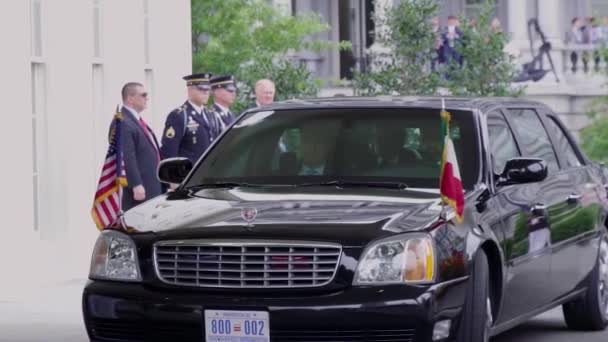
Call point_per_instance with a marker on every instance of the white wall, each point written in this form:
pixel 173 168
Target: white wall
pixel 72 142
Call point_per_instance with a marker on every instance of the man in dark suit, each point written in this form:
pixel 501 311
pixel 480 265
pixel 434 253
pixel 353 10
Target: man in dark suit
pixel 264 93
pixel 224 94
pixel 139 147
pixel 191 128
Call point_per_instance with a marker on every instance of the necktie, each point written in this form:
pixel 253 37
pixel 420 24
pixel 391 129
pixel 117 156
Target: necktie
pixel 149 135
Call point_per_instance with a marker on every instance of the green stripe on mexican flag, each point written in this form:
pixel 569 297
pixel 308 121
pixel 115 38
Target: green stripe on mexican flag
pixel 450 180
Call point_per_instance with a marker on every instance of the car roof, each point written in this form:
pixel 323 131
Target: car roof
pixel 451 102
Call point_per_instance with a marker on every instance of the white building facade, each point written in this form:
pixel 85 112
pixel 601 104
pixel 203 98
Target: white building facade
pixel 63 65
pixel 351 20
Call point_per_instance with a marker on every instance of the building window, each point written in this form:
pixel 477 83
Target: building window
pixel 36 28
pixel 472 8
pixel 147 31
pixel 149 83
pixel 97 29
pixel 284 7
pixel 39 129
pixel 100 114
pixel 599 8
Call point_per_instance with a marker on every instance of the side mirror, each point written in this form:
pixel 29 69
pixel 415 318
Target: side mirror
pixel 174 170
pixel 523 170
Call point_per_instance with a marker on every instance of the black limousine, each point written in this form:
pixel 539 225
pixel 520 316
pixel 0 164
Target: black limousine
pixel 321 220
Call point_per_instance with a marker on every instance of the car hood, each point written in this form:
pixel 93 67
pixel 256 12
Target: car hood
pixel 347 216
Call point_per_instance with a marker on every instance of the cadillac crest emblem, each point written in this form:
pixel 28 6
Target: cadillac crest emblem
pixel 249 214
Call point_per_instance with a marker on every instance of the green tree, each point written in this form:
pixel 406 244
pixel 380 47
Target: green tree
pixel 486 69
pixel 250 39
pixel 409 42
pixel 594 138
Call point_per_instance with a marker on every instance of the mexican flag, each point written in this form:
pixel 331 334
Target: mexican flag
pixel 449 179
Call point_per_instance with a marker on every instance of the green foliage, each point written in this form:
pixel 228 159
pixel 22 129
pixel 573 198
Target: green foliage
pixel 250 39
pixel 292 80
pixel 409 41
pixel 594 138
pixel 487 70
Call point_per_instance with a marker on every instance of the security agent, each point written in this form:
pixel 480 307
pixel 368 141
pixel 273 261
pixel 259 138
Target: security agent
pixel 224 94
pixel 191 128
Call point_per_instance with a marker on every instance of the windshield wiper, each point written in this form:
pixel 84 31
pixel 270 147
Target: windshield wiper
pixel 224 185
pixel 348 184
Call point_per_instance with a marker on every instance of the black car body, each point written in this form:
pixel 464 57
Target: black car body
pixel 361 249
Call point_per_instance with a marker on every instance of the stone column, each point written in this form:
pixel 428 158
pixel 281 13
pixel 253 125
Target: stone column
pixel 518 21
pixel 550 19
pixel 380 9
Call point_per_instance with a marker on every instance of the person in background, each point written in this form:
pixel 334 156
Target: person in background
pixel 140 150
pixel 264 92
pixel 452 36
pixel 604 29
pixel 575 36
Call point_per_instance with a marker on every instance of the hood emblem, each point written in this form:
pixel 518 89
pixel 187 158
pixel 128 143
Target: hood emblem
pixel 249 215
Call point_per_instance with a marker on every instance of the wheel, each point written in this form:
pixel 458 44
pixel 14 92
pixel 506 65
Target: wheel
pixel 476 319
pixel 591 311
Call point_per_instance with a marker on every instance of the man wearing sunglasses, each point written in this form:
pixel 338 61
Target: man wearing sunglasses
pixel 139 147
pixel 191 128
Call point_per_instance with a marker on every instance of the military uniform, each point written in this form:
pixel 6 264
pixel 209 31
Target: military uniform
pixel 189 131
pixel 224 115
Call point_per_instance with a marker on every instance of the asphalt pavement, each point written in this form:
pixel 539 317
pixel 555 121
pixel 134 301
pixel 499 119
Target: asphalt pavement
pixel 52 313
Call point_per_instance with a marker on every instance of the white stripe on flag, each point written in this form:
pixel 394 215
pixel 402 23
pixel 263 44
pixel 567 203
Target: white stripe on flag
pixel 108 171
pixel 106 183
pixel 102 214
pixel 109 201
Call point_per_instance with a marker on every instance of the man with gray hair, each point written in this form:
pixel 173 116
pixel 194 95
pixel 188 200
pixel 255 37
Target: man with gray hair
pixel 264 92
pixel 139 147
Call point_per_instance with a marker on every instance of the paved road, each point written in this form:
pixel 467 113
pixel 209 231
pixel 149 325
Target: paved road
pixel 549 327
pixel 52 314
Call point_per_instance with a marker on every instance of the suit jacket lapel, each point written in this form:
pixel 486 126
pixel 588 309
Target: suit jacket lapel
pixel 126 113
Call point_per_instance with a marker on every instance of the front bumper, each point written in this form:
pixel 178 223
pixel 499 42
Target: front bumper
pixel 135 312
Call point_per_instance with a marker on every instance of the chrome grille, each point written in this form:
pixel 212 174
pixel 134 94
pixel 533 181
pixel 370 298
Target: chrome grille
pixel 246 264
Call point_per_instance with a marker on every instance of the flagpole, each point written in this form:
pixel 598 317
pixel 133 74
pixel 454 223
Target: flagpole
pixel 442 213
pixel 119 167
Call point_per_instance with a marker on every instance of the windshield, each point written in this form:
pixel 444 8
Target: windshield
pixel 296 147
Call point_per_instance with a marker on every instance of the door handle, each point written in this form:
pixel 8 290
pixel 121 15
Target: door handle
pixel 574 198
pixel 538 209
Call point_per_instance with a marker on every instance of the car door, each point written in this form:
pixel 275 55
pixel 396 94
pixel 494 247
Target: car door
pixel 527 269
pixel 554 190
pixel 572 232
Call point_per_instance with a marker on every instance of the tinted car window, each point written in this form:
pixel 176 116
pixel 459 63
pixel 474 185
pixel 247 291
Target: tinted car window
pixel 299 146
pixel 563 145
pixel 534 139
pixel 502 142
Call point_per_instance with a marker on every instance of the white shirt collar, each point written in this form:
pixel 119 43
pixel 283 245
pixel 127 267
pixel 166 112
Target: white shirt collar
pixel 224 109
pixel 257 104
pixel 133 112
pixel 199 110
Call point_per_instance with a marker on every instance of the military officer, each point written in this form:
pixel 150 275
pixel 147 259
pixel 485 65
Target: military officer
pixel 224 94
pixel 191 128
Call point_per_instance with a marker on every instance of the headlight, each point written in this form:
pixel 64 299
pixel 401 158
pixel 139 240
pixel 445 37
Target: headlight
pixel 115 258
pixel 403 259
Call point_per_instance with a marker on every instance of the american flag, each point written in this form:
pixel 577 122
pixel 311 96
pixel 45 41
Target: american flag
pixel 107 203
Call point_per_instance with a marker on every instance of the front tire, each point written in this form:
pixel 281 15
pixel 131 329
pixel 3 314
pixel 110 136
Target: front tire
pixel 476 320
pixel 591 311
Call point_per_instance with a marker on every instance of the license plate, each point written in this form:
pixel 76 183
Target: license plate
pixel 236 326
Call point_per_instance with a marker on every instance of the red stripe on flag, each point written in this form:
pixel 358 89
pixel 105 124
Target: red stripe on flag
pixel 106 210
pixel 109 162
pixel 102 216
pixel 114 202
